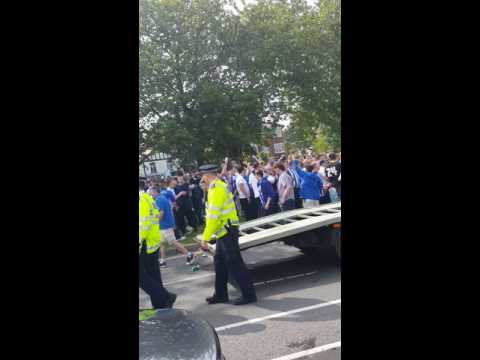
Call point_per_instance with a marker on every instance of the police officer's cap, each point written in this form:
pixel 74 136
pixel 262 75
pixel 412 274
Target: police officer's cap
pixel 208 169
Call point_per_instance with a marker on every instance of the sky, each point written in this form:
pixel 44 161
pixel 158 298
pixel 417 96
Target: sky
pixel 239 3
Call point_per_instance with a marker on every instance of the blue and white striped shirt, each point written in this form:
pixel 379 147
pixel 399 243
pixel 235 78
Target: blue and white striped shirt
pixel 296 178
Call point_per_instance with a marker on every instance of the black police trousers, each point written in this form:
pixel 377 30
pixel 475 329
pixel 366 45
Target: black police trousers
pixel 150 279
pixel 227 260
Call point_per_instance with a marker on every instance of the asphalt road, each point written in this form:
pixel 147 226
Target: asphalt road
pixel 298 312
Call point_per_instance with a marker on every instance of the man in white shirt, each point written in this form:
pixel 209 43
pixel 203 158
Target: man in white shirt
pixel 243 191
pixel 255 200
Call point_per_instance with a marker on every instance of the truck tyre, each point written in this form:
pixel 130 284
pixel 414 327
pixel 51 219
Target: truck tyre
pixel 337 243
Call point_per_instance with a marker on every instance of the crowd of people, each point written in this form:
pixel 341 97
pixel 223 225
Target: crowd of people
pixel 283 184
pixel 259 189
pixel 175 206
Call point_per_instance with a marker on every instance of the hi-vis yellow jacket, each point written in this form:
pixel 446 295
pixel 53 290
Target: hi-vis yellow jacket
pixel 219 209
pixel 149 227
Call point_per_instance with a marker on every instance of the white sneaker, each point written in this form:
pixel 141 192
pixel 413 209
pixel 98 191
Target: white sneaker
pixel 190 258
pixel 183 238
pixel 189 229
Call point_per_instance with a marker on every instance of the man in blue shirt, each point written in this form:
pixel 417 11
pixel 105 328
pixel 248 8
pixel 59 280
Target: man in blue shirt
pixel 169 193
pixel 311 186
pixel 268 196
pixel 167 224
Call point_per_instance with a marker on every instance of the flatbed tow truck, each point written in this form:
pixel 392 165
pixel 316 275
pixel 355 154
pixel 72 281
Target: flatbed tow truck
pixel 310 230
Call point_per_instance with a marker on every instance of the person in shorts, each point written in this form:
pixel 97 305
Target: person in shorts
pixel 167 225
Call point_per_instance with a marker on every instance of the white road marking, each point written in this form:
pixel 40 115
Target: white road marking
pixel 285 278
pixel 308 352
pixel 255 284
pixel 277 315
pixel 189 279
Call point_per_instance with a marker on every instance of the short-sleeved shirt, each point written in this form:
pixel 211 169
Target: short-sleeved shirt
pixel 252 180
pixel 284 181
pixel 267 191
pixel 332 171
pixel 169 194
pixel 241 180
pixel 168 221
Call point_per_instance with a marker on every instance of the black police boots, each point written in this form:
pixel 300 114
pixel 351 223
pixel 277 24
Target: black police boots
pixel 216 300
pixel 171 299
pixel 242 300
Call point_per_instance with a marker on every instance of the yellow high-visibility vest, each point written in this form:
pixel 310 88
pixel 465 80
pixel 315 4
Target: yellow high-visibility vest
pixel 219 209
pixel 149 227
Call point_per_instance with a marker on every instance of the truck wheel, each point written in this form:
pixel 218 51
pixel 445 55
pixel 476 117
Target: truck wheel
pixel 337 242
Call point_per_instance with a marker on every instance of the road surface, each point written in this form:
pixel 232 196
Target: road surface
pixel 297 315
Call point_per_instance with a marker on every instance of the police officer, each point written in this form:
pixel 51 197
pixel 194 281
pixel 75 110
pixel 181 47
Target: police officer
pixel 150 279
pixel 221 224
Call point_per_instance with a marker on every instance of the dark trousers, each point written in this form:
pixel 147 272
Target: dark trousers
pixel 198 209
pixel 255 206
pixel 298 200
pixel 150 279
pixel 192 221
pixel 288 205
pixel 179 222
pixel 273 209
pixel 181 213
pixel 228 260
pixel 246 208
pixel 178 235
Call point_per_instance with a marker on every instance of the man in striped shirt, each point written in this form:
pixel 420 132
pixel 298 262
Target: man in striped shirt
pixel 296 181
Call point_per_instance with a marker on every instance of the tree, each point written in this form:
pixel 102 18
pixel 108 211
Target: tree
pixel 210 79
pixel 195 101
pixel 296 48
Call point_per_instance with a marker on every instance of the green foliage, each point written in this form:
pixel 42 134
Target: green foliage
pixel 297 48
pixel 320 145
pixel 210 79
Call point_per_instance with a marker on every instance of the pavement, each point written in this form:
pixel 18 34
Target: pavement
pixel 297 315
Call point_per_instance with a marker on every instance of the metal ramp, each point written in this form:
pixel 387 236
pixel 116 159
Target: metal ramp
pixel 275 227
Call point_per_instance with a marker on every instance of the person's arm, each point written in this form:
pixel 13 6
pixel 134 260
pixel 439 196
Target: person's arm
pixel 224 168
pixel 267 205
pixel 264 192
pixel 180 194
pixel 285 192
pixel 270 195
pixel 281 190
pixel 298 169
pixel 160 207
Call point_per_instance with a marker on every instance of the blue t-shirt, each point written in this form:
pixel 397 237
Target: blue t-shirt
pixel 266 191
pixel 310 185
pixel 170 195
pixel 168 220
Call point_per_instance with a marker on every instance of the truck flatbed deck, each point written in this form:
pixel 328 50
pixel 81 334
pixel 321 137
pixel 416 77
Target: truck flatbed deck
pixel 281 225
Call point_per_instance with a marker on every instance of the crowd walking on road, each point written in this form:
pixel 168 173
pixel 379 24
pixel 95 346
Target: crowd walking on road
pixel 178 205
